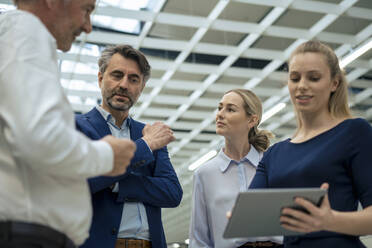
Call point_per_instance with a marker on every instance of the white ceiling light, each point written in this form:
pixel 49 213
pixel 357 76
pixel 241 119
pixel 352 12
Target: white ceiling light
pixel 356 53
pixel 273 111
pixel 202 160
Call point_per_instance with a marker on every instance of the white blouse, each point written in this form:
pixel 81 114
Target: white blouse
pixel 216 186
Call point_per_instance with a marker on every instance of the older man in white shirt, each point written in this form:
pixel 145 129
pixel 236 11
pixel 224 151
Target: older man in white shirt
pixel 44 162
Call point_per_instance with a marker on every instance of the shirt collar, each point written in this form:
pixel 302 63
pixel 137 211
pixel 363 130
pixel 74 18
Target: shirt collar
pixel 109 118
pixel 253 158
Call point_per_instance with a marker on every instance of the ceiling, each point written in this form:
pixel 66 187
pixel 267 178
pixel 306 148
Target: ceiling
pixel 198 49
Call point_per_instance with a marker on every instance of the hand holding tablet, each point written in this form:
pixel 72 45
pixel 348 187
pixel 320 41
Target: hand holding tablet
pixel 258 212
pixel 308 216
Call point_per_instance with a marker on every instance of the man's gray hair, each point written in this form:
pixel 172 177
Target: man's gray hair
pixel 127 52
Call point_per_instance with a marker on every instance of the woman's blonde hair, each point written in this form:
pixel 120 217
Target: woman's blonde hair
pixel 260 139
pixel 338 102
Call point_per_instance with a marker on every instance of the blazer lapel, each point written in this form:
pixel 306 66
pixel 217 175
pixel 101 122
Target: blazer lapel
pixel 135 129
pixel 98 122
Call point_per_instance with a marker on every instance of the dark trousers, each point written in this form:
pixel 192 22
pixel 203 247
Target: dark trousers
pixel 27 235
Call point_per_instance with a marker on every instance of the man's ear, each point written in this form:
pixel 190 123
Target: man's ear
pixel 100 77
pixel 51 3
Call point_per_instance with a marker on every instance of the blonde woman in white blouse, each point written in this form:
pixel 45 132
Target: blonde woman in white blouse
pixel 218 182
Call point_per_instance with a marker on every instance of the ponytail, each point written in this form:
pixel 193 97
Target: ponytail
pixel 260 139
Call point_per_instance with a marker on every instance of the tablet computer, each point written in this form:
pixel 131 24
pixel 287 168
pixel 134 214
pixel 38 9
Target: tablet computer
pixel 256 212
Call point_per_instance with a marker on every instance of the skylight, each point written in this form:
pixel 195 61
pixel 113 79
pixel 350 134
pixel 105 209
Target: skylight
pixel 121 24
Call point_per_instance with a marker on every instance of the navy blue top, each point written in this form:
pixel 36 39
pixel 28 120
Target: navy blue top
pixel 340 156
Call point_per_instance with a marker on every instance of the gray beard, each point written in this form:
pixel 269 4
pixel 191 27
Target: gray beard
pixel 124 107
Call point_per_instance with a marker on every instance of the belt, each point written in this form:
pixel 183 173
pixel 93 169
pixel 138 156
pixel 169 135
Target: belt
pixel 261 244
pixel 132 243
pixel 14 232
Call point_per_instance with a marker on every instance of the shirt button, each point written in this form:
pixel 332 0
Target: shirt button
pixel 113 231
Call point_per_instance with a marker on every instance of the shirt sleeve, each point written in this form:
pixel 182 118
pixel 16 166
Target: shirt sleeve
pixel 199 234
pixel 361 161
pixel 37 119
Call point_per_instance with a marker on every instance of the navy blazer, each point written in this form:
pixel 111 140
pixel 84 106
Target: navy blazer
pixel 149 179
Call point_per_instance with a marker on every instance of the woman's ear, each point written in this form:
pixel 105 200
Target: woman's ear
pixel 335 84
pixel 253 121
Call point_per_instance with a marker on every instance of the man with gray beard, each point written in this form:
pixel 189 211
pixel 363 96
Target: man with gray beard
pixel 127 209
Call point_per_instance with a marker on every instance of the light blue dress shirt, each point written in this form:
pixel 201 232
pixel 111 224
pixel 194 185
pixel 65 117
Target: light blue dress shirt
pixel 216 186
pixel 134 222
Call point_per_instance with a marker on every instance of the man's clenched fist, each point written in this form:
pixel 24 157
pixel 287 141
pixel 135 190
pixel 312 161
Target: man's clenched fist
pixel 157 135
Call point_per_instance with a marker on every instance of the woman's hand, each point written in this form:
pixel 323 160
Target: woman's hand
pixel 319 218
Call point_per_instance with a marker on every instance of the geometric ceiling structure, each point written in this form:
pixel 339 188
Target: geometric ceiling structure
pixel 199 49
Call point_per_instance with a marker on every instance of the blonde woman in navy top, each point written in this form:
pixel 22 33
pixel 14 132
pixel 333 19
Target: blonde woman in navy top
pixel 329 149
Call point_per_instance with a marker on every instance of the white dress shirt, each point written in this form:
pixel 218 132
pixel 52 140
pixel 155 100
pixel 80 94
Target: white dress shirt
pixel 216 186
pixel 44 162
